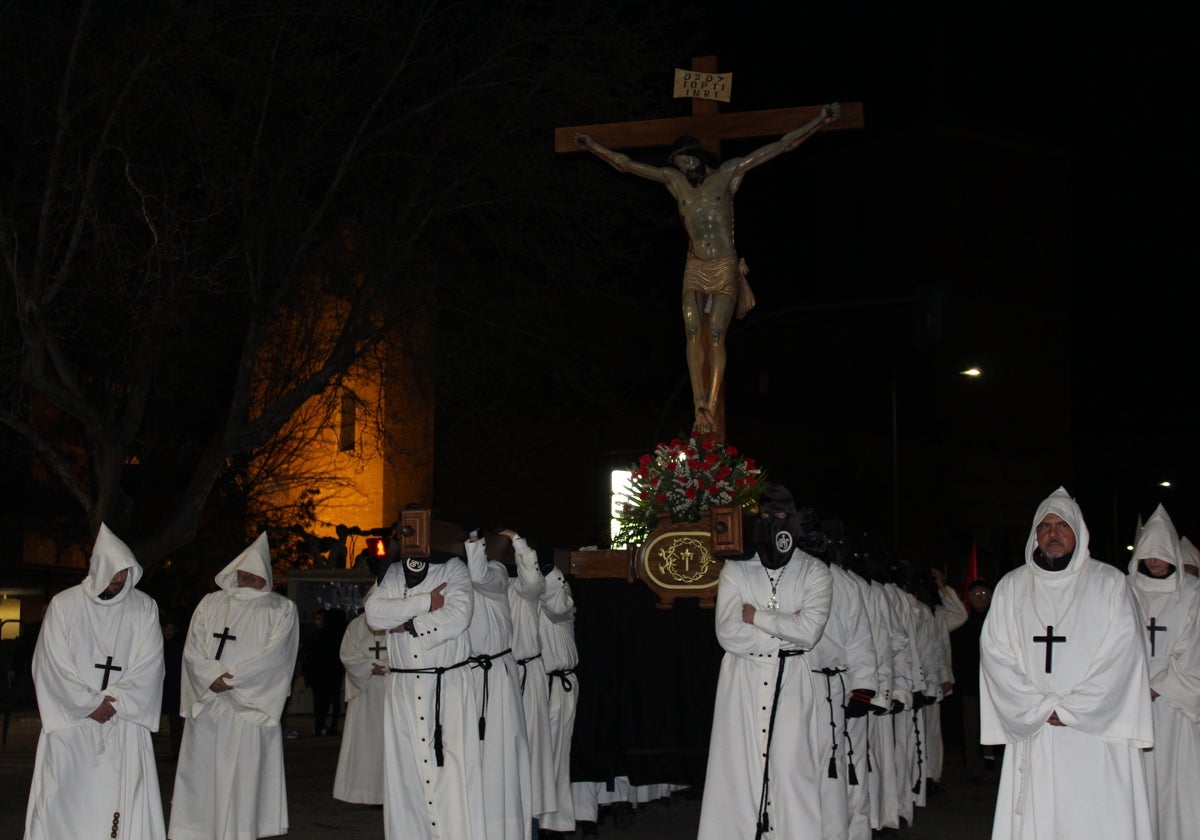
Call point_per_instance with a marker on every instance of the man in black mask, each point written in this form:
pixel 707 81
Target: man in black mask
pixel 763 775
pixel 431 752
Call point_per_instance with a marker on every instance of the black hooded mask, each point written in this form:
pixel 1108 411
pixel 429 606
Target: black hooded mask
pixel 781 528
pixel 415 570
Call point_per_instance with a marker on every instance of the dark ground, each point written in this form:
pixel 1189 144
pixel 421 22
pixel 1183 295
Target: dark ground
pixel 962 812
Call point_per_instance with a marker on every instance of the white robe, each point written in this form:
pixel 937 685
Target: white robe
pixel 950 614
pixel 1170 620
pixel 908 679
pixel 560 656
pixel 846 647
pixel 884 805
pixel 746 697
pixel 508 813
pixel 359 776
pixel 83 770
pixel 524 601
pixel 1086 779
pixel 230 783
pixel 926 730
pixel 425 801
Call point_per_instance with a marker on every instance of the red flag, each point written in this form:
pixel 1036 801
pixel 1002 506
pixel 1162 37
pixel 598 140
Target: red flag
pixel 972 573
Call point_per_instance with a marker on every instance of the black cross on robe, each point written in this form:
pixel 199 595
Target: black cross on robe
pixel 108 668
pixel 1155 628
pixel 378 649
pixel 1048 640
pixel 224 636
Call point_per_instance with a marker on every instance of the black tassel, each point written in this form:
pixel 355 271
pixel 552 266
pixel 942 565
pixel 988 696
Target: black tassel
pixel 832 768
pixel 917 788
pixel 437 746
pixel 482 727
pixel 764 826
pixel 853 776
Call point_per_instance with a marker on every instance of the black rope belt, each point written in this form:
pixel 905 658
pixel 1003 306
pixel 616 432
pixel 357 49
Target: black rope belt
pixel 437 701
pixel 829 674
pixel 763 821
pixel 484 662
pixel 523 663
pixel 564 677
pixel 920 759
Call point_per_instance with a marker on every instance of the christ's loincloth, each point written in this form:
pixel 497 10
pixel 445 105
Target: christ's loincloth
pixel 722 276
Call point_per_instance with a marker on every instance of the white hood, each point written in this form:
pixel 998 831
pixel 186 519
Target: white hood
pixel 1189 555
pixel 109 556
pixel 1158 538
pixel 1061 503
pixel 257 560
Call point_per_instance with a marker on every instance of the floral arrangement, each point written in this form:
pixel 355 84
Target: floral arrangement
pixel 683 479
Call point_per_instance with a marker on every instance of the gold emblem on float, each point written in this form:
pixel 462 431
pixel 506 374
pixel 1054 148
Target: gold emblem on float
pixel 684 559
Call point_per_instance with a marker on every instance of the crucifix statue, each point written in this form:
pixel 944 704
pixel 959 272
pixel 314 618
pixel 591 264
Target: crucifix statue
pixel 714 280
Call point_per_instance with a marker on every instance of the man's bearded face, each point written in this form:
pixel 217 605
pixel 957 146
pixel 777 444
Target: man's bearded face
pixel 1055 537
pixel 116 584
pixel 250 580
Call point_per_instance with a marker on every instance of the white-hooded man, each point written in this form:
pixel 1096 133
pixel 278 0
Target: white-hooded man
pixel 98 669
pixel 237 670
pixel 1064 685
pixel 1170 603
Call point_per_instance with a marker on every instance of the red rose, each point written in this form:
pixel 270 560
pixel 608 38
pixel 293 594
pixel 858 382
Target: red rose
pixel 660 499
pixel 731 450
pixel 690 493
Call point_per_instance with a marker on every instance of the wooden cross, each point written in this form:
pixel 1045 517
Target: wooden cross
pixel 107 668
pixel 1155 628
pixel 378 649
pixel 708 125
pixel 1048 640
pixel 224 637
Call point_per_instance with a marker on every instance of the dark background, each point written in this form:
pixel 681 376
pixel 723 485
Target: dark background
pixel 1014 201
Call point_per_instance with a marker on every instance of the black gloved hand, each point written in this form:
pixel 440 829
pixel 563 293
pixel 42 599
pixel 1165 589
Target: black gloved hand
pixel 897 708
pixel 859 704
pixel 920 700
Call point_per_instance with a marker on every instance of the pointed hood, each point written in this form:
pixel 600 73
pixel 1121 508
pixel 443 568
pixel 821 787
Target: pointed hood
pixel 1157 538
pixel 1189 555
pixel 257 560
pixel 109 556
pixel 1061 503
